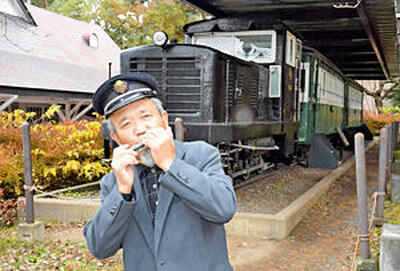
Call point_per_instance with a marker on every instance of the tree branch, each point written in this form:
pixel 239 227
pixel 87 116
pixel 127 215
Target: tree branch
pixel 391 89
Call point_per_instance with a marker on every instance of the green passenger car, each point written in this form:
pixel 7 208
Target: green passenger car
pixel 355 105
pixel 328 100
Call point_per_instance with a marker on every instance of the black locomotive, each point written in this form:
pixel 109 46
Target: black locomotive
pixel 236 85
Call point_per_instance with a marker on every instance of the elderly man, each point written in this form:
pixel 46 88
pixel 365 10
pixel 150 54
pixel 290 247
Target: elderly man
pixel 167 217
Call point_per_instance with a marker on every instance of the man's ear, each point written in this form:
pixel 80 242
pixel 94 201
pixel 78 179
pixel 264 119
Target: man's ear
pixel 164 116
pixel 114 137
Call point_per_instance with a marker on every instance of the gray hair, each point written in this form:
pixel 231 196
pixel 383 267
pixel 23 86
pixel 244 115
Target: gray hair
pixel 156 102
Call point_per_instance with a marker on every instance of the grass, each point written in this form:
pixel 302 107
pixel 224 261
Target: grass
pixel 48 255
pixel 80 194
pixel 392 214
pixel 396 154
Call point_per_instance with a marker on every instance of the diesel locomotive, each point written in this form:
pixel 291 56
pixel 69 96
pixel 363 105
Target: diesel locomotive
pixel 252 90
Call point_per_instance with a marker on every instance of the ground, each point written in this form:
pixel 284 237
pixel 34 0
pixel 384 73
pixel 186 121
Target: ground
pixel 324 240
pixel 276 191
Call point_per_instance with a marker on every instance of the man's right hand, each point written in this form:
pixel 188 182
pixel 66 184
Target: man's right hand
pixel 123 160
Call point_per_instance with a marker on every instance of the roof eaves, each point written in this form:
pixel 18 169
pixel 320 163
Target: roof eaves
pixel 28 15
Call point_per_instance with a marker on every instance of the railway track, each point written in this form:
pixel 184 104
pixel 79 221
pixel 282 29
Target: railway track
pixel 268 173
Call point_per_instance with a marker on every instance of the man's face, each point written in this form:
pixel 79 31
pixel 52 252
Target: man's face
pixel 133 120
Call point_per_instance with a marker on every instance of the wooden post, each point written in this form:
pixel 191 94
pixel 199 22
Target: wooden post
pixel 395 129
pixel 389 146
pixel 362 195
pixel 383 149
pixel 179 129
pixel 26 142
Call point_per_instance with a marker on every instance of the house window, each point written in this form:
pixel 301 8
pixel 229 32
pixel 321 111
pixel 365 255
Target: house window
pixel 93 41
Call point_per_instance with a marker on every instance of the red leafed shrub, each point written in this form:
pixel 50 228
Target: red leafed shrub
pixel 377 121
pixel 8 210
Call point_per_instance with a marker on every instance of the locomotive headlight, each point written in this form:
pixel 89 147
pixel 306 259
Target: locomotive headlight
pixel 160 38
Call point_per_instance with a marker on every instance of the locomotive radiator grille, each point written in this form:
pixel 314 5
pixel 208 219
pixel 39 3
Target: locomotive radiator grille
pixel 241 90
pixel 178 78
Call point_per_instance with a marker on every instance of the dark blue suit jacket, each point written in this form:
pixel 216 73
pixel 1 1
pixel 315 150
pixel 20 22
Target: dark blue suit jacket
pixel 196 198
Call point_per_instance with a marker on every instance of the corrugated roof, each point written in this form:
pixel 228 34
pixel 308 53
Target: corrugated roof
pixel 54 55
pixel 362 41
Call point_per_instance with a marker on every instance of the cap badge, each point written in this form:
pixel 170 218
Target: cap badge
pixel 120 86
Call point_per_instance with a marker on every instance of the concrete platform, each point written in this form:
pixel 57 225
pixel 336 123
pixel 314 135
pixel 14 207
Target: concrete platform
pixel 277 226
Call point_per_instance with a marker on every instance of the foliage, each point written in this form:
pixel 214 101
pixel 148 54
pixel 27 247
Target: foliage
pixel 77 9
pixel 392 212
pixel 9 210
pixel 41 3
pixel 392 216
pixel 390 110
pixel 51 254
pixel 63 154
pixel 376 122
pixel 131 23
pixel 396 154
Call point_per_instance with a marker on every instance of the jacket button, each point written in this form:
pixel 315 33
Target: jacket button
pixel 182 176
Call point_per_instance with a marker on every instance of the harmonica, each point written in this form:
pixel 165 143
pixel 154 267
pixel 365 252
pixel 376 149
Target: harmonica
pixel 143 155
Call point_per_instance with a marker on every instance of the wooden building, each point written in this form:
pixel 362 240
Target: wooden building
pixel 47 59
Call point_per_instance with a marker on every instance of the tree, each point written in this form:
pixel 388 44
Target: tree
pixel 41 3
pixel 77 9
pixel 394 95
pixel 388 89
pixel 128 22
pixel 170 17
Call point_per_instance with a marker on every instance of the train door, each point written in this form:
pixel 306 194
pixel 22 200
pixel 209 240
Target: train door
pixel 314 94
pixel 298 78
pixel 305 102
pixel 290 90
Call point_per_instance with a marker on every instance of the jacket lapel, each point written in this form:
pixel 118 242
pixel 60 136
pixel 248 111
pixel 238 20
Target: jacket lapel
pixel 164 201
pixel 141 213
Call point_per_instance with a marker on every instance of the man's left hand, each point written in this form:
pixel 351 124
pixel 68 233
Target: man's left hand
pixel 161 144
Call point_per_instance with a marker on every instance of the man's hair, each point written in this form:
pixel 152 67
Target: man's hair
pixel 156 102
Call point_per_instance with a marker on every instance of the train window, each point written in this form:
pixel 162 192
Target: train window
pixel 274 81
pixel 305 83
pixel 290 49
pixel 302 80
pixel 257 46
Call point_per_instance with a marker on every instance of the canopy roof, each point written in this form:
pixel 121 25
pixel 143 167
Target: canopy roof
pixel 360 37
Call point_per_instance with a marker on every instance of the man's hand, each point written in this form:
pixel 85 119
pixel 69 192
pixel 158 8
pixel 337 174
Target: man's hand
pixel 161 144
pixel 122 162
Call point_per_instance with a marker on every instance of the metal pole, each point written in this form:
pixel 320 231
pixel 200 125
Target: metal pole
pixel 179 129
pixel 382 170
pixel 26 143
pixel 362 195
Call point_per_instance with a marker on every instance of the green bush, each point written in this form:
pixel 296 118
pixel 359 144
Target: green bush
pixel 63 154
